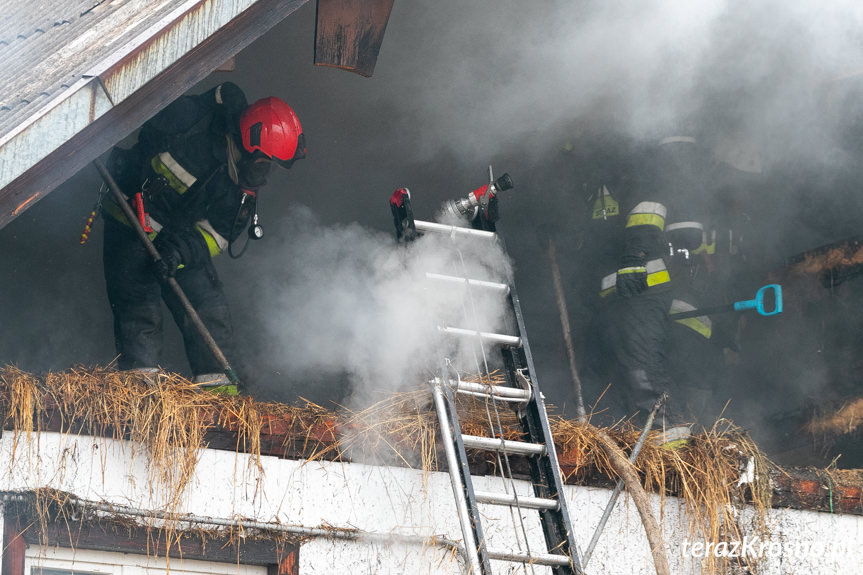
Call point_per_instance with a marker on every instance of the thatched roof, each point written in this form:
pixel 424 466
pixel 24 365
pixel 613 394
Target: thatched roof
pixel 719 466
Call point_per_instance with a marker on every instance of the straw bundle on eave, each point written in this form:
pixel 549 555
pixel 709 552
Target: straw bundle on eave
pixel 173 420
pixel 847 419
pixel 846 255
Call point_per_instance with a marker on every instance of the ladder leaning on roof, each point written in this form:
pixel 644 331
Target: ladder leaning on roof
pixel 521 392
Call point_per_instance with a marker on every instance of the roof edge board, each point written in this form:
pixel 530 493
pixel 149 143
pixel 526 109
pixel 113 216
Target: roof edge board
pixel 116 65
pixel 63 118
pixel 165 42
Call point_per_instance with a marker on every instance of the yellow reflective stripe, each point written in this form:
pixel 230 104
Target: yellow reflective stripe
pixel 696 325
pixel 112 209
pixel 645 220
pixel 206 226
pixel 222 389
pixel 700 324
pixel 657 274
pixel 633 270
pixel 709 249
pixel 212 243
pixel 658 278
pixel 178 178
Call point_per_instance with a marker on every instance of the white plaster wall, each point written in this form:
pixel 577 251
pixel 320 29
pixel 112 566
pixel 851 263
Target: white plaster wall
pixel 390 500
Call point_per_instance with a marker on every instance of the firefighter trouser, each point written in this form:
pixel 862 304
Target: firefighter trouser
pixel 637 334
pixel 136 298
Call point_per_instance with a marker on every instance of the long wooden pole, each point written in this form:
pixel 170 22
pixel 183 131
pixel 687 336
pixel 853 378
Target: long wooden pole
pixel 172 282
pixel 567 332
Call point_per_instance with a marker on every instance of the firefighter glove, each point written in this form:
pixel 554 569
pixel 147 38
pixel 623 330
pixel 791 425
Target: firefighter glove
pixel 631 280
pixel 171 257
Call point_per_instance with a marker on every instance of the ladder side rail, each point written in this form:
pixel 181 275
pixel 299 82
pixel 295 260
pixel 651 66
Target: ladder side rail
pixel 462 485
pixel 558 523
pixel 496 429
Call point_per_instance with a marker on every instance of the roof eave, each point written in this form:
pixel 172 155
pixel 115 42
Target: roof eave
pixel 125 89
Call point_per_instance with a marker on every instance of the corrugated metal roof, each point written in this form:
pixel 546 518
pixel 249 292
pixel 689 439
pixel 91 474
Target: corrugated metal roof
pixel 34 62
pixel 66 65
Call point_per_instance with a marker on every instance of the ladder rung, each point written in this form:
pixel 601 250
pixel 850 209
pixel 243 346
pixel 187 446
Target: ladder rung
pixel 453 230
pixel 498 338
pixel 494 286
pixel 496 391
pixel 507 445
pixel 535 558
pixel 509 499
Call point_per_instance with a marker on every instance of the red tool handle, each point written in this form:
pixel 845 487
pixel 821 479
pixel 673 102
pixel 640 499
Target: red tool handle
pixel 143 217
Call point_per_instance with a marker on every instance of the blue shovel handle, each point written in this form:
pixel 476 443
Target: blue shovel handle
pixel 758 303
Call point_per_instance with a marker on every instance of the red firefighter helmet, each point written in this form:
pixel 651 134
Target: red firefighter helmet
pixel 271 126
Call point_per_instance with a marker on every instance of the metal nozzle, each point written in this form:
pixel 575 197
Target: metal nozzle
pixel 503 183
pixel 460 207
pixel 467 207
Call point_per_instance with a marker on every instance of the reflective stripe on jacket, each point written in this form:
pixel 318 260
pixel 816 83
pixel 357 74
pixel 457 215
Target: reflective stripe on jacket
pixel 700 324
pixel 647 214
pixel 657 274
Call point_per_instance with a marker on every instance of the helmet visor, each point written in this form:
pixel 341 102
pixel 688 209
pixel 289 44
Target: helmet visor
pixel 299 154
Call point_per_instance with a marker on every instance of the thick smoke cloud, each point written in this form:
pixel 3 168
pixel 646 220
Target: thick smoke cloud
pixel 497 73
pixel 346 301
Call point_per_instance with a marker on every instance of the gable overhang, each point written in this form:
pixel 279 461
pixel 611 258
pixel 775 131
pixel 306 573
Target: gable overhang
pixel 124 89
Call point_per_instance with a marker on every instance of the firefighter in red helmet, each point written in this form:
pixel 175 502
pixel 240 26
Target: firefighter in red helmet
pixel 193 177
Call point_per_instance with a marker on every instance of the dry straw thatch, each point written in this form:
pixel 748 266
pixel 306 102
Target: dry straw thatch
pixel 171 420
pixel 847 419
pixel 847 255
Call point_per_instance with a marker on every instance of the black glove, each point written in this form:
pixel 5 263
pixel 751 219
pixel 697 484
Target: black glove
pixel 171 257
pixel 631 281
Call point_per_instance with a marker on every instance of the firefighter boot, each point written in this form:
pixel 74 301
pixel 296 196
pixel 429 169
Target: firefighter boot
pixel 215 383
pixel 673 432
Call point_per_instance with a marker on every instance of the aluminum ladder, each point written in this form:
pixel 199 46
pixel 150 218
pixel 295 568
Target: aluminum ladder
pixel 522 393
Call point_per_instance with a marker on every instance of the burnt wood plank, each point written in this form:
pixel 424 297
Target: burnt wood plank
pixel 349 33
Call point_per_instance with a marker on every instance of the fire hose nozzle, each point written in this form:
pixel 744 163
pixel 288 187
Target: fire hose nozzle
pixel 503 183
pixel 461 207
pixel 480 197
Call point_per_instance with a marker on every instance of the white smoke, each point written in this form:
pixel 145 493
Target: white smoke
pixel 771 74
pixel 351 301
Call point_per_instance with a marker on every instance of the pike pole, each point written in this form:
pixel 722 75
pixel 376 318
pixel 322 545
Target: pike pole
pixel 567 331
pixel 172 282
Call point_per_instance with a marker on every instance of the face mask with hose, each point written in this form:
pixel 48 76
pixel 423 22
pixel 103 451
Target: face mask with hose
pixel 271 132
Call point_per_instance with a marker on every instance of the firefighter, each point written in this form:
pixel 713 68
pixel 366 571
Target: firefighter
pixel 193 177
pixel 634 337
